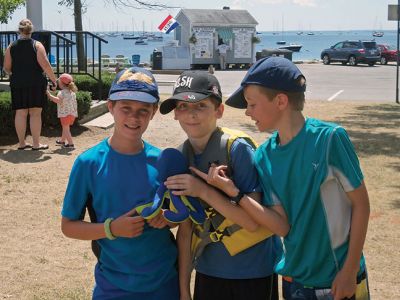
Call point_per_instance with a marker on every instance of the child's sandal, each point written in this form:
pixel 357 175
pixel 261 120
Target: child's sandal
pixel 68 146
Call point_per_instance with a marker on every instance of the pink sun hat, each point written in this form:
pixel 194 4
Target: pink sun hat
pixel 66 78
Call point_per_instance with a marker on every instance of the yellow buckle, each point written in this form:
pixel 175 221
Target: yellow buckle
pixel 215 236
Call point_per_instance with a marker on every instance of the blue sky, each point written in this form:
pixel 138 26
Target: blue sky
pixel 297 15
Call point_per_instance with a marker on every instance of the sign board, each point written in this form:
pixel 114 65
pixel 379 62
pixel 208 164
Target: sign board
pixel 242 47
pixel 393 13
pixel 205 42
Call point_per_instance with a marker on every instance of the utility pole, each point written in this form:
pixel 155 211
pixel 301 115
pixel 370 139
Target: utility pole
pixel 34 13
pixel 394 15
pixel 397 67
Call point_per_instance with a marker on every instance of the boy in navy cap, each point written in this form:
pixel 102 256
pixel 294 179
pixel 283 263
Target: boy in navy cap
pixel 135 261
pixel 234 258
pixel 311 176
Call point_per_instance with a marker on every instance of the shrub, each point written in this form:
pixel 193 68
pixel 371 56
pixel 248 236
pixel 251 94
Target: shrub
pixel 6 114
pixel 87 83
pixel 49 114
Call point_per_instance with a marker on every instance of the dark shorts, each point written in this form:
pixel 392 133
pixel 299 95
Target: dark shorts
pixel 28 97
pixel 295 291
pixel 210 288
pixel 104 290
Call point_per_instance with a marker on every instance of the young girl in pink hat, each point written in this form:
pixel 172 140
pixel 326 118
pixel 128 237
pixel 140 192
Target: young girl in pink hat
pixel 67 108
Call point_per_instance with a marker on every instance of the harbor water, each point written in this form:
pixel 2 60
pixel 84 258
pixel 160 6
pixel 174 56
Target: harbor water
pixel 312 42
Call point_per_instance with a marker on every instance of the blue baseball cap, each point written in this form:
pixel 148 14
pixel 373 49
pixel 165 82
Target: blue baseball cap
pixel 134 84
pixel 273 72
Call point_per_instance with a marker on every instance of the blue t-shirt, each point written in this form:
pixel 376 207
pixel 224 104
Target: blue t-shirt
pixel 309 177
pixel 116 183
pixel 257 261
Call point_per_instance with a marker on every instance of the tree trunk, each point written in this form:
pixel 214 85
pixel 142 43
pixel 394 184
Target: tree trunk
pixel 80 50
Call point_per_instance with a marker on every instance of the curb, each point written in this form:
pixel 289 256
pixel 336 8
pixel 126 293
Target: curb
pixel 98 108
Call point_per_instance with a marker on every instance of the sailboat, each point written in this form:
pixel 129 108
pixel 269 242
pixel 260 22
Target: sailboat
pixel 377 33
pixel 282 41
pixel 292 46
pixel 131 36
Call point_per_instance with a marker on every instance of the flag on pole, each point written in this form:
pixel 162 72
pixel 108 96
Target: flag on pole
pixel 168 24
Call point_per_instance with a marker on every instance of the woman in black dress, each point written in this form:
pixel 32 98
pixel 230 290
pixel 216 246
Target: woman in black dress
pixel 27 64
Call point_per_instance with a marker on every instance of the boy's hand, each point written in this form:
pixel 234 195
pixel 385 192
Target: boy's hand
pixel 185 185
pixel 217 177
pixel 344 285
pixel 128 225
pixel 160 222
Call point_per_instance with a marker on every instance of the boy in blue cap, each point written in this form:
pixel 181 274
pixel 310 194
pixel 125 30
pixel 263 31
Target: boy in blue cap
pixel 233 258
pixel 135 260
pixel 309 169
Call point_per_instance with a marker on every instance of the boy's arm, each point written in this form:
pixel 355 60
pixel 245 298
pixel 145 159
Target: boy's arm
pixel 345 283
pixel 273 218
pixel 126 225
pixel 184 259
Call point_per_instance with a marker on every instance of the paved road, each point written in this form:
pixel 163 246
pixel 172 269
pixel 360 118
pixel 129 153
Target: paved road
pixel 331 83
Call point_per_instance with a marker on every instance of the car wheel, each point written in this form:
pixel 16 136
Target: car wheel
pixel 383 60
pixel 326 60
pixel 352 61
pixel 344 63
pixel 371 64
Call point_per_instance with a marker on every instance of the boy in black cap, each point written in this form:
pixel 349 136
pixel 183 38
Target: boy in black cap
pixel 234 259
pixel 135 261
pixel 309 173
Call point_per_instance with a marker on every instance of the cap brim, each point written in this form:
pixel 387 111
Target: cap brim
pixel 170 103
pixel 134 95
pixel 237 100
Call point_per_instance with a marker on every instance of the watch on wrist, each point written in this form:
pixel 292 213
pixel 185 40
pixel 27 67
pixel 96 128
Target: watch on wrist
pixel 235 200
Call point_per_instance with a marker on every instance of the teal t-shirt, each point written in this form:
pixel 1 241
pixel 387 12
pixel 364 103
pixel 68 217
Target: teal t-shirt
pixel 309 177
pixel 115 183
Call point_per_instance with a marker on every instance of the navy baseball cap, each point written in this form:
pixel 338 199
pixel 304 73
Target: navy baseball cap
pixel 134 84
pixel 273 72
pixel 192 86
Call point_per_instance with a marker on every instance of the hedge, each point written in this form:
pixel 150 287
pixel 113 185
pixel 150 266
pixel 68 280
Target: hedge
pixel 87 83
pixel 49 114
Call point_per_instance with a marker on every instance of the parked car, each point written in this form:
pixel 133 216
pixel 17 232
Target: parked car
pixel 388 53
pixel 352 52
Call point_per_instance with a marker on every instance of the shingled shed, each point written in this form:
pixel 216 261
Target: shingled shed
pixel 202 30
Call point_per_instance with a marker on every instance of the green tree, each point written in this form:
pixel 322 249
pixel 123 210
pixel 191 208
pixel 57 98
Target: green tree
pixel 7 8
pixel 80 8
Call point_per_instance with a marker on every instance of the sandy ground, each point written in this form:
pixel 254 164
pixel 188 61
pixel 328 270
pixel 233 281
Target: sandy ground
pixel 38 262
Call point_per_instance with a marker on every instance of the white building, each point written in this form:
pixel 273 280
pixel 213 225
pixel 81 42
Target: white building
pixel 202 30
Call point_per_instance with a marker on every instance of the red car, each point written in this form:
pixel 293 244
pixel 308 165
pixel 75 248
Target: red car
pixel 388 53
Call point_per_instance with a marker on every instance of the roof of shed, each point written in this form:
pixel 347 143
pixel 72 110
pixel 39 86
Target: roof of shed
pixel 219 17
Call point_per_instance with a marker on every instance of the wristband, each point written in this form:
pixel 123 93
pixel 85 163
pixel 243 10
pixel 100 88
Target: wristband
pixel 107 229
pixel 235 200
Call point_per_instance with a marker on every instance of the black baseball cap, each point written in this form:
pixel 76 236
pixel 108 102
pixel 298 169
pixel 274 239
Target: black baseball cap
pixel 192 86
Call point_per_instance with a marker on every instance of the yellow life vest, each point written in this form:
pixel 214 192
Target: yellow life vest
pixel 217 228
